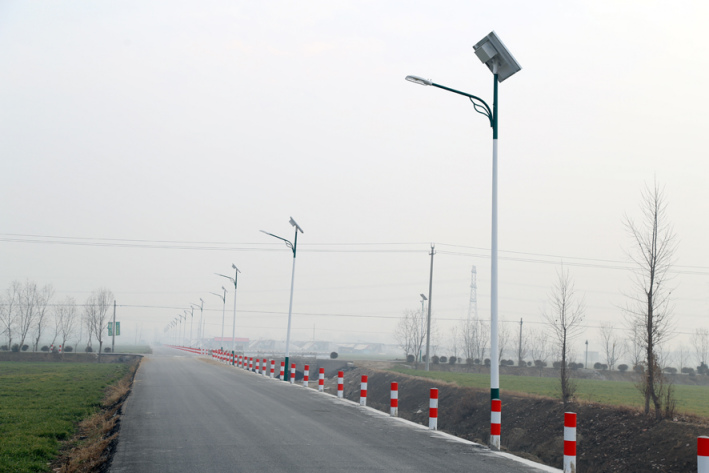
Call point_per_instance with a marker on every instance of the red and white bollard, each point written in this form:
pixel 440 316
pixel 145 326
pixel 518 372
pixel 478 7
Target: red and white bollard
pixel 495 423
pixel 394 412
pixel 60 349
pixel 306 373
pixel 433 410
pixel 51 349
pixel 340 383
pixel 321 379
pixel 273 368
pixel 251 363
pixel 703 454
pixel 363 391
pixel 263 366
pixel 283 371
pixel 569 442
pixel 292 373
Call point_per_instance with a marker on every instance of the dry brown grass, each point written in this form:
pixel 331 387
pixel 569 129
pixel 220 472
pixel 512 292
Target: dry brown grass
pixel 97 435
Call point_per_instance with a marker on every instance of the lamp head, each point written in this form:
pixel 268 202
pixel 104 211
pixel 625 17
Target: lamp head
pixel 494 54
pixel 419 80
pixel 292 222
pixel 234 267
pixel 423 297
pixel 224 288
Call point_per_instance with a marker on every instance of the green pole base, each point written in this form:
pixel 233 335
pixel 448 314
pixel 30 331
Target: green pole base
pixel 286 370
pixel 494 393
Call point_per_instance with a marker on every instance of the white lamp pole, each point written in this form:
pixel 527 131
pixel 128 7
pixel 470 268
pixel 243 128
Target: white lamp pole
pixel 293 246
pixel 223 298
pixel 495 55
pixel 233 326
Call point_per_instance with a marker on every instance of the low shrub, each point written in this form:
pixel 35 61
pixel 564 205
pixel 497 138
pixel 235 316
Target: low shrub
pixel 670 370
pixel 703 368
pixel 410 358
pixel 622 368
pixel 529 363
pixel 15 347
pixel 487 361
pixel 435 359
pixel 469 361
pixel 597 365
pixel 443 359
pixel 4 348
pixel 452 360
pixel 334 355
pixel 107 350
pixel 68 349
pixel 476 361
pixel 25 347
pixel 89 350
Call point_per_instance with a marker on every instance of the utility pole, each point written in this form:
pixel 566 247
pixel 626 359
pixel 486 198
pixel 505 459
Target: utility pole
pixel 423 308
pixel 113 342
pixel 430 295
pixel 586 365
pixel 519 353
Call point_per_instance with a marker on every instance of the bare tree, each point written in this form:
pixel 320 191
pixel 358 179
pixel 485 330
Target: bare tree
pixel 503 338
pixel 652 252
pixel 98 314
pixel 455 344
pixel 27 310
pixel 9 306
pixel 613 346
pixel 539 348
pixel 67 314
pixel 700 343
pixel 682 357
pixel 42 313
pixel 565 315
pixel 637 345
pixel 410 332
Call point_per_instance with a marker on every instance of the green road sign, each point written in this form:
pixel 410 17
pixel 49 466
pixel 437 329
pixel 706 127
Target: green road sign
pixel 110 329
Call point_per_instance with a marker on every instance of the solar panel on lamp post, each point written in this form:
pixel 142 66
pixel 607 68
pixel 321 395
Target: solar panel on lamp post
pixel 293 246
pixel 495 55
pixel 233 327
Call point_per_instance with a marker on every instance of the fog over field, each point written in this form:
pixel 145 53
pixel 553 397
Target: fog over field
pixel 144 145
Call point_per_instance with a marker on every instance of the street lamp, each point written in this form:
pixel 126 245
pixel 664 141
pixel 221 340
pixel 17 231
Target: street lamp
pixel 293 246
pixel 199 327
pixel 185 331
pixel 223 298
pixel 233 323
pixel 493 53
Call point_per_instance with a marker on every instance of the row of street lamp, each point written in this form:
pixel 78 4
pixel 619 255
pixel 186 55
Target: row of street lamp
pixel 177 327
pixel 493 53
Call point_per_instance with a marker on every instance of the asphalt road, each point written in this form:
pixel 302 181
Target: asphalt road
pixel 190 415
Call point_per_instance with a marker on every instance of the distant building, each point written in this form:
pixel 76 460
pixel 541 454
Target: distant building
pixel 363 348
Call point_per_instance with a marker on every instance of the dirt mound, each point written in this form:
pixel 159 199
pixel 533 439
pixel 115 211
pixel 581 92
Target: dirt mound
pixel 610 439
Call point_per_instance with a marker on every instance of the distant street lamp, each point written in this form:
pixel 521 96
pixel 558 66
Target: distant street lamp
pixel 293 246
pixel 199 325
pixel 493 53
pixel 223 298
pixel 233 326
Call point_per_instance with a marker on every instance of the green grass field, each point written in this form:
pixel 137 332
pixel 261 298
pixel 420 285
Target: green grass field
pixel 690 399
pixel 40 403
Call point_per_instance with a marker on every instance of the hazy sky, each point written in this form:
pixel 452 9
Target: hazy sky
pixel 204 122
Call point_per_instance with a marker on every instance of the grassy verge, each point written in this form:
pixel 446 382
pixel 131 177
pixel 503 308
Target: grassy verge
pixel 690 399
pixel 41 403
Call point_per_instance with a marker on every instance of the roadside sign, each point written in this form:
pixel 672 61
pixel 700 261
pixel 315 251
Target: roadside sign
pixel 110 329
